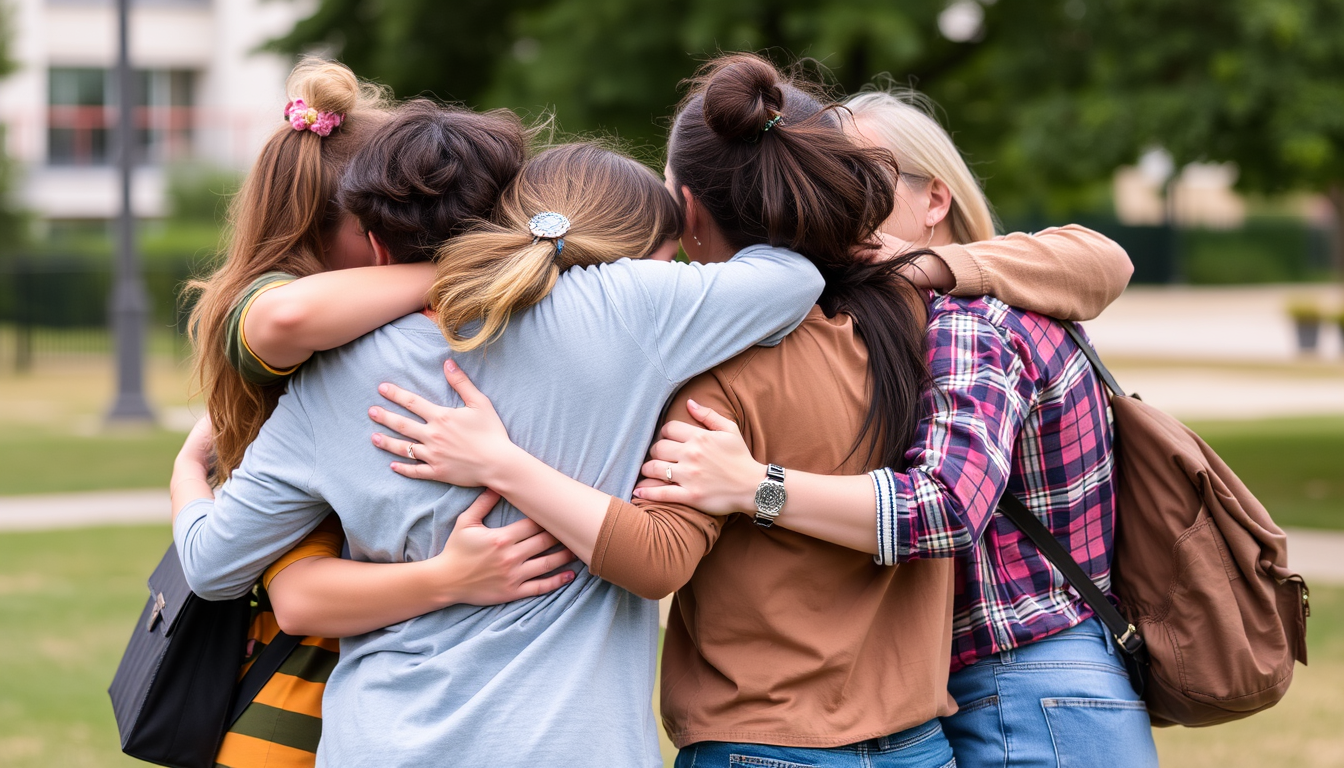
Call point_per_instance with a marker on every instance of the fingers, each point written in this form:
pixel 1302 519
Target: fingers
pixel 475 513
pixel 650 482
pixel 398 423
pixel 680 431
pixel 457 379
pixel 392 445
pixel 665 494
pixel 408 400
pixel 521 530
pixel 542 586
pixel 657 469
pixel 413 471
pixel 711 418
pixel 535 545
pixel 667 450
pixel 539 566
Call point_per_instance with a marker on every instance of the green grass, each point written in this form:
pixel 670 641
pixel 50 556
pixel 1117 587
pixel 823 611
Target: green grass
pixel 68 600
pixel 37 462
pixel 67 603
pixel 1295 467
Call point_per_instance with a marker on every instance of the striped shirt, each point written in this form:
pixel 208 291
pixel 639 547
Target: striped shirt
pixel 1015 408
pixel 283 724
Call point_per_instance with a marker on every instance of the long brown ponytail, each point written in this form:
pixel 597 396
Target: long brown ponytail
pixel 277 223
pixel 767 158
pixel 616 207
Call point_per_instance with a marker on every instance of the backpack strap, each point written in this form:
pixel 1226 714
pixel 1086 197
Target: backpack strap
pixel 1093 358
pixel 1125 634
pixel 262 670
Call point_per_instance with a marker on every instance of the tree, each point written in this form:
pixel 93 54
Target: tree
pixel 1062 96
pixel 1046 99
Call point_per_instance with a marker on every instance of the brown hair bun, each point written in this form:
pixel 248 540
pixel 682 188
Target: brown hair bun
pixel 742 93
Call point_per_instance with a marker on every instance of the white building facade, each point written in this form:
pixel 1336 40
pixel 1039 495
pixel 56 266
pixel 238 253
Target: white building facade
pixel 207 96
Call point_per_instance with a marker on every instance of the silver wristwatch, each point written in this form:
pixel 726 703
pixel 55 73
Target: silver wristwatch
pixel 770 496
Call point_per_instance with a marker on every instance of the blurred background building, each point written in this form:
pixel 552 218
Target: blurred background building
pixel 206 96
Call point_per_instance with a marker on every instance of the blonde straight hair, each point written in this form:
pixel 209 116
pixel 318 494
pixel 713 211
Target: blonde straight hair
pixel 902 120
pixel 617 208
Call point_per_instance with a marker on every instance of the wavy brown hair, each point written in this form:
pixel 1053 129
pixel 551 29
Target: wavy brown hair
pixel 617 209
pixel 278 222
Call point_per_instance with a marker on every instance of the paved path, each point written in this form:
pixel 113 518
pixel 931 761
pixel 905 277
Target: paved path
pixel 1318 555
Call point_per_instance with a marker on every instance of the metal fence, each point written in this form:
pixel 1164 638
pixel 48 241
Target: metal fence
pixel 58 307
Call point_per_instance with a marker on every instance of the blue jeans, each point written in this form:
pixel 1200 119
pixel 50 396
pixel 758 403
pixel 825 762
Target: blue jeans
pixel 1059 702
pixel 923 746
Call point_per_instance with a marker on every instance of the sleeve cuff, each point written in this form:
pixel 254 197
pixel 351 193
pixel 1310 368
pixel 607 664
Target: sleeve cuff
pixel 604 534
pixel 966 271
pixel 888 535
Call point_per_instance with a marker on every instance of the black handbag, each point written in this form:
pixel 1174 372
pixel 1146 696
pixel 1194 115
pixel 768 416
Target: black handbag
pixel 176 690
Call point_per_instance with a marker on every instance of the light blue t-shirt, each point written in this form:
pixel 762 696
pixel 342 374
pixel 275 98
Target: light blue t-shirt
pixel 564 679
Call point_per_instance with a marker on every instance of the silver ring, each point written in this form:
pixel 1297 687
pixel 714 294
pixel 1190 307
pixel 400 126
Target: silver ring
pixel 410 452
pixel 669 474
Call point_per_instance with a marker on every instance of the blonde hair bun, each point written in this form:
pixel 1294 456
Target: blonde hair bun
pixel 330 86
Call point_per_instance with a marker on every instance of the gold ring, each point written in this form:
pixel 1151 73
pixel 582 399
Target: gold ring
pixel 410 451
pixel 669 474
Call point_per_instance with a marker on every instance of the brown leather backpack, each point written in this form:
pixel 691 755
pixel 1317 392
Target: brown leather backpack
pixel 1210 617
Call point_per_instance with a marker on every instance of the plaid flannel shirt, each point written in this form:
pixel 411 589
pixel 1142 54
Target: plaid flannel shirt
pixel 1015 408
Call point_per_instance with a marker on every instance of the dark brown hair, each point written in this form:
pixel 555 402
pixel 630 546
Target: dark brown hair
pixel 766 157
pixel 430 171
pixel 616 207
pixel 278 222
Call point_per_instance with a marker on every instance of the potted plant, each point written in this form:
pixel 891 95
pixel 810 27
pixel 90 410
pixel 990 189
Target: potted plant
pixel 1307 316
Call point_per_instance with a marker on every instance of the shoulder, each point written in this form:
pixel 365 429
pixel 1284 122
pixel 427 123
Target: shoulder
pixel 1031 336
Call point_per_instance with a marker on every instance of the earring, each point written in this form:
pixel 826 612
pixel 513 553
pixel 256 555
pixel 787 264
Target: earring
pixel 697 241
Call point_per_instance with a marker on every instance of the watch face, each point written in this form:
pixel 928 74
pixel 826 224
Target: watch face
pixel 770 497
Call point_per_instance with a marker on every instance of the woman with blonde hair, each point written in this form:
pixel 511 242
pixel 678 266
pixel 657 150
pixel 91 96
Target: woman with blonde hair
pixel 1014 408
pixel 298 277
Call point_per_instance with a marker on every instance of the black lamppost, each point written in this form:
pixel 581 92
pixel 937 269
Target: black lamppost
pixel 130 303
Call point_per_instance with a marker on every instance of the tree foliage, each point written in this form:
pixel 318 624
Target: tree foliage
pixel 1047 100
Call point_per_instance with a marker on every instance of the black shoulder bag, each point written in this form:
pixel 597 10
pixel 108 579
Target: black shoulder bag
pixel 176 690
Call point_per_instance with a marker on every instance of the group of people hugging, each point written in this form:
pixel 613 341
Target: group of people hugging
pixel 439 348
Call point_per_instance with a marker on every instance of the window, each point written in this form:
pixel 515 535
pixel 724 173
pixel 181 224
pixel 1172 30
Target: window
pixel 82 115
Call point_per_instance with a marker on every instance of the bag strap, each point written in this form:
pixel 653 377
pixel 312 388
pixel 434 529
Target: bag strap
pixel 1091 354
pixel 263 669
pixel 1125 633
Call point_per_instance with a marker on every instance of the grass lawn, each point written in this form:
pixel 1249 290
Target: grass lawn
pixel 1294 466
pixel 68 600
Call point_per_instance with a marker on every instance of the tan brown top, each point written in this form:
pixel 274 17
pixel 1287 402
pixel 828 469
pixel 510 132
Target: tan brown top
pixel 1071 272
pixel 779 638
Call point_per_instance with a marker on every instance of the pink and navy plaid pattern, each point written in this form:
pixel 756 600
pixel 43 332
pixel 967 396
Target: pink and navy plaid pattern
pixel 1015 408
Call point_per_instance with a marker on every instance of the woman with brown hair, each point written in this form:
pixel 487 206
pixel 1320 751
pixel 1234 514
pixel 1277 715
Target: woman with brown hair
pixel 298 277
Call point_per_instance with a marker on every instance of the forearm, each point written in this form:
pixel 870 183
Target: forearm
pixel 286 325
pixel 1071 272
pixel 835 508
pixel 332 597
pixel 568 509
pixel 189 483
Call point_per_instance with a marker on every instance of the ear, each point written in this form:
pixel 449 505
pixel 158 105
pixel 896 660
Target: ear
pixel 381 255
pixel 940 203
pixel 693 212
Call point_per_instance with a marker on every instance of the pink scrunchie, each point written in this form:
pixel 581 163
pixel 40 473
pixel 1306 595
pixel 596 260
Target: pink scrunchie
pixel 303 117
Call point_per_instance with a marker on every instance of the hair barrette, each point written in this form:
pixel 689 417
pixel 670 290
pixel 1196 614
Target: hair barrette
pixel 549 225
pixel 304 118
pixel 772 122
